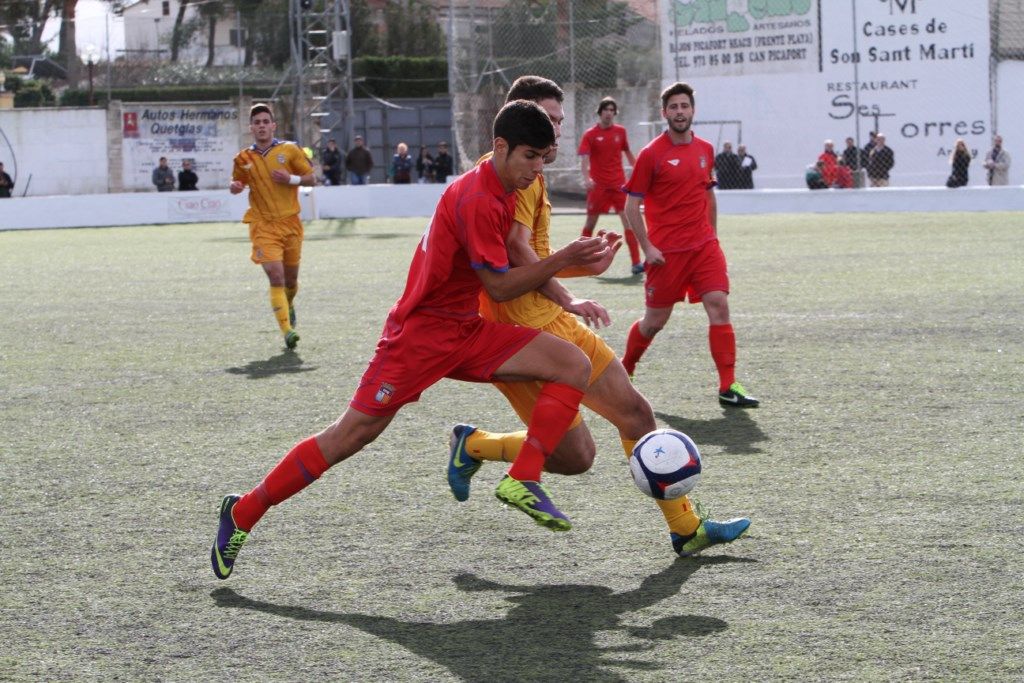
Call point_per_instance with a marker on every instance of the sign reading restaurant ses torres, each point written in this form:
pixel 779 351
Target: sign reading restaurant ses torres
pixel 782 76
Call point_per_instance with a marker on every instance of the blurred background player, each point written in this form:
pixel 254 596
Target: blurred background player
pixel 273 169
pixel 434 331
pixel 674 178
pixel 609 392
pixel 601 149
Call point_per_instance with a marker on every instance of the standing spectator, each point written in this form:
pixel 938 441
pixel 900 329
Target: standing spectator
pixel 880 161
pixel 727 168
pixel 400 172
pixel 868 147
pixel 163 176
pixel 187 178
pixel 853 156
pixel 684 258
pixel 424 166
pixel 748 165
pixel 358 163
pixel 330 163
pixel 997 161
pixel 6 184
pixel 600 151
pixel 827 163
pixel 444 165
pixel 959 160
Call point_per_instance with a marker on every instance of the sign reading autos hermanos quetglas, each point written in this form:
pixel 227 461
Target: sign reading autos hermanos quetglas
pixel 204 133
pixel 782 76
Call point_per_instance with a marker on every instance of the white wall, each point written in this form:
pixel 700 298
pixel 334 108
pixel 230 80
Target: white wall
pixel 64 150
pixel 1010 120
pixel 419 200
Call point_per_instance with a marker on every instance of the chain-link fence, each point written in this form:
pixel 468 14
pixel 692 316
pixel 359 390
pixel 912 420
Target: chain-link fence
pixel 591 48
pixel 594 49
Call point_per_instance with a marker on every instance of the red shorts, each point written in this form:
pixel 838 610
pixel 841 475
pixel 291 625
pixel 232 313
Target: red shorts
pixel 686 275
pixel 605 200
pixel 428 349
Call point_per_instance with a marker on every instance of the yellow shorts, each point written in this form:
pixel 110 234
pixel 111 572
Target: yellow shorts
pixel 279 240
pixel 523 395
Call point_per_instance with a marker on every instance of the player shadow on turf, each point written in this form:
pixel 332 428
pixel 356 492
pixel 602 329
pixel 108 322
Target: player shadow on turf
pixel 735 431
pixel 549 634
pixel 625 280
pixel 287 362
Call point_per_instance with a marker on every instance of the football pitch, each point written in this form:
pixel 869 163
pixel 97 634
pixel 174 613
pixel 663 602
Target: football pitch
pixel 142 377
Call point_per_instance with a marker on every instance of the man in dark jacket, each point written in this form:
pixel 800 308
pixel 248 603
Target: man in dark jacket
pixel 727 168
pixel 444 165
pixel 330 162
pixel 748 165
pixel 6 184
pixel 187 178
pixel 163 176
pixel 359 163
pixel 880 161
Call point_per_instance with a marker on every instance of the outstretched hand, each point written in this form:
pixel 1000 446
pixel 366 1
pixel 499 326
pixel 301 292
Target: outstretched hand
pixel 614 241
pixel 584 251
pixel 593 314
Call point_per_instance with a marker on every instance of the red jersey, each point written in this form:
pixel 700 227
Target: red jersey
pixel 673 181
pixel 467 232
pixel 605 146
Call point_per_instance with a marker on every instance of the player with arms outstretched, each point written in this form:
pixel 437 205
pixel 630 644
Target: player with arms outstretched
pixel 272 169
pixel 674 178
pixel 609 391
pixel 601 149
pixel 434 331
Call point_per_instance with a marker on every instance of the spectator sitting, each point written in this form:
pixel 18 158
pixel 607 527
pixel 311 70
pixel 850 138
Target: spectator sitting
pixel 815 179
pixel 844 176
pixel 828 160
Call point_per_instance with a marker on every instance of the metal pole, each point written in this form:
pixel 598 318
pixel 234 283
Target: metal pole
pixel 572 42
pixel 350 109
pixel 856 86
pixel 92 101
pixel 454 145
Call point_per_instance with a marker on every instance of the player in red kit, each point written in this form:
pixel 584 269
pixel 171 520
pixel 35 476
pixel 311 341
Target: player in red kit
pixel 601 149
pixel 674 178
pixel 434 331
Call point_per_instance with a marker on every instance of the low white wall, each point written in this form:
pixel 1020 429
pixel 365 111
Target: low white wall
pixel 382 201
pixel 63 150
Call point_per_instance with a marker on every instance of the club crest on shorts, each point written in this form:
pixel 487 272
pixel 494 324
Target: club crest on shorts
pixel 384 394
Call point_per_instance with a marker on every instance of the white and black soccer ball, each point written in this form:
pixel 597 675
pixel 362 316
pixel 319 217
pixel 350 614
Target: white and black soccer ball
pixel 665 464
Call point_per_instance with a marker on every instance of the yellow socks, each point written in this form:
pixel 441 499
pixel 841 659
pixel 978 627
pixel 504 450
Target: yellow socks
pixel 679 514
pixel 487 446
pixel 291 292
pixel 279 304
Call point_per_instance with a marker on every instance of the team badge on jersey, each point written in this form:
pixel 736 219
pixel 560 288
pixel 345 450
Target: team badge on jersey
pixel 384 394
pixel 703 162
pixel 280 159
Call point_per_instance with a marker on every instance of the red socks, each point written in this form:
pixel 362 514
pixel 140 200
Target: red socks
pixel 587 233
pixel 555 410
pixel 636 345
pixel 722 340
pixel 298 469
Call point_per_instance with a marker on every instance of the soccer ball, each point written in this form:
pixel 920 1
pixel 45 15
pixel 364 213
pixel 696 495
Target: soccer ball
pixel 665 464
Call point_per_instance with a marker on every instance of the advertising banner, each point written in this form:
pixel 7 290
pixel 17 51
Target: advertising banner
pixel 783 76
pixel 204 133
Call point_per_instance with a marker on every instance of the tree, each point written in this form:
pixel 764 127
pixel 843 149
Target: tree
pixel 25 20
pixel 211 11
pixel 68 47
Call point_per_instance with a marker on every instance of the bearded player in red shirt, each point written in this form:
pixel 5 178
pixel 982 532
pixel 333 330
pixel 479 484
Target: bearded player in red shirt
pixel 601 149
pixel 434 331
pixel 674 177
